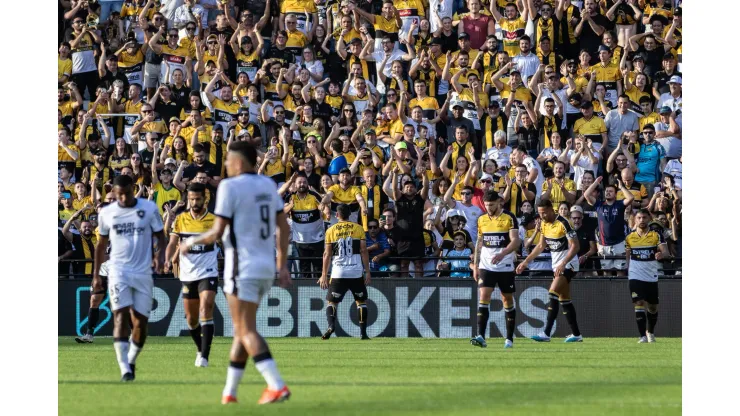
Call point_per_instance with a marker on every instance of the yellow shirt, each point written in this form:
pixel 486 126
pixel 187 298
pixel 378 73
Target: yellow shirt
pixel 592 129
pixel 511 31
pixel 651 118
pixel 64 156
pixel 64 67
pixel 556 195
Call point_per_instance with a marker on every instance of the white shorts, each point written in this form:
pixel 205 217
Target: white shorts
pixel 135 291
pixel 615 250
pixel 104 270
pixel 248 290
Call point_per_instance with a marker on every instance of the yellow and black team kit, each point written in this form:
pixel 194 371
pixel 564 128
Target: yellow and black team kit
pixel 308 226
pixel 643 268
pixel 512 31
pixel 344 240
pixel 429 106
pixel 591 128
pixel 557 234
pixel 84 249
pixel 345 196
pixel 386 28
pixel 224 113
pixel 431 80
pixel 275 170
pixel 495 232
pixel 489 127
pixel 199 266
pixel 376 201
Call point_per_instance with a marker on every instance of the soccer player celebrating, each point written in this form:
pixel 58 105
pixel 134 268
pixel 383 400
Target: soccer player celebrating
pixel 645 248
pixel 249 216
pixel 495 253
pixel 346 251
pixel 198 271
pixel 129 225
pixel 561 238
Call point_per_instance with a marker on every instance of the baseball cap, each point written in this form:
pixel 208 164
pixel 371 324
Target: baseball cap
pixel 603 48
pixel 218 127
pixel 576 208
pixel 463 36
pixel 675 80
pixel 587 105
pixel 370 131
pixel 170 161
pixel 355 40
pixel 435 41
pixel 345 170
pixel 401 145
pixel 211 36
pixel 668 57
pixel 454 213
pixel 458 105
pixel 638 57
pixel 493 104
pixel 242 110
pixel 244 132
pixel 486 177
pixel 665 109
pixel 175 119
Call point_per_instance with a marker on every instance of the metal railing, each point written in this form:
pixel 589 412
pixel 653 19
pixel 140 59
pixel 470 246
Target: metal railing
pixel 672 269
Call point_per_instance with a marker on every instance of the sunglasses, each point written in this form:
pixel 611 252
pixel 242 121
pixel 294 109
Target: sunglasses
pixel 486 181
pixel 348 109
pixel 135 158
pixel 648 132
pixel 392 95
pixel 173 35
pixel 372 227
pixel 78 22
pixel 279 113
pixel 465 193
pixel 146 111
pixel 190 29
pixel 290 23
pixel 575 218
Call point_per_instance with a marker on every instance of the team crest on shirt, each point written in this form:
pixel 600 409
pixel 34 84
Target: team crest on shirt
pixel 140 213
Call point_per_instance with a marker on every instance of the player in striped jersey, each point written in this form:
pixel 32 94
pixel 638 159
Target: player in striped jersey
pixel 346 251
pixel 561 238
pixel 198 271
pixel 645 248
pixel 308 224
pixel 495 253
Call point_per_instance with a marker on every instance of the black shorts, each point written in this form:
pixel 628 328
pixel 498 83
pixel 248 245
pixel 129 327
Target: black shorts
pixel 191 290
pixel 105 287
pixel 647 291
pixel 505 280
pixel 569 274
pixel 338 288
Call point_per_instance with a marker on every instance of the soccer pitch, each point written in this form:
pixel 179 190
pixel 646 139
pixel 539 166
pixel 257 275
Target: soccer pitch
pixel 383 376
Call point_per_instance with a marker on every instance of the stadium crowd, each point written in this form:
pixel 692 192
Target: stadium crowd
pixel 407 110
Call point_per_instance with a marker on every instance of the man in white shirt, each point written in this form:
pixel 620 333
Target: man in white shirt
pixel 526 62
pixel 190 11
pixel 356 70
pixel 256 234
pixel 673 99
pixel 388 50
pixel 129 224
pixel 501 151
pixel 668 134
pixel 675 168
pixel 520 156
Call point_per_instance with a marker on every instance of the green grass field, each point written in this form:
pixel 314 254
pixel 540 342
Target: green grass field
pixel 383 376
